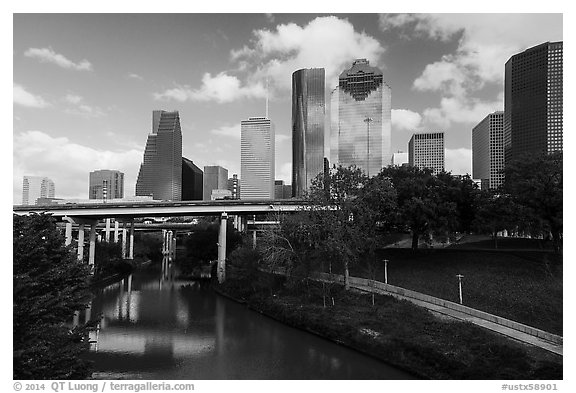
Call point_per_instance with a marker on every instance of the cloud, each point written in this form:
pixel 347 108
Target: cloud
pixel 135 76
pixel 405 119
pixel 47 55
pixel 284 172
pixel 328 42
pixel 282 138
pixel 461 110
pixel 25 98
pixel 80 107
pixel 232 131
pixel 68 164
pixel 221 88
pixel 458 161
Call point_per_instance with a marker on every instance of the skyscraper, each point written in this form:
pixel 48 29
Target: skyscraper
pixel 308 114
pixel 160 173
pixel 426 150
pixel 257 158
pixel 106 184
pixel 34 187
pixel 361 119
pixel 192 181
pixel 215 178
pixel 533 101
pixel 234 186
pixel 488 151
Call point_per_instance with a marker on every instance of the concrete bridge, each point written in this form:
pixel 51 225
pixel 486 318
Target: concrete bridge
pixel 90 214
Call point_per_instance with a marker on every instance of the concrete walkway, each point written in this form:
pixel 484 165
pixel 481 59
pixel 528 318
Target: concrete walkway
pixel 506 331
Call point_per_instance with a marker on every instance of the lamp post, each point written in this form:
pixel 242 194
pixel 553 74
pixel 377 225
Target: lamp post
pixel 368 120
pixel 460 285
pixel 385 271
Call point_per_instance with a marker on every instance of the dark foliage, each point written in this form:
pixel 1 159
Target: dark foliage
pixel 50 284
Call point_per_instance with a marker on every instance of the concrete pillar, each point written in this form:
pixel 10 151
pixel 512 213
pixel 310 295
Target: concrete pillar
pixel 68 233
pixel 92 251
pixel 222 248
pixel 131 249
pixel 116 230
pixel 81 242
pixel 124 241
pixel 107 230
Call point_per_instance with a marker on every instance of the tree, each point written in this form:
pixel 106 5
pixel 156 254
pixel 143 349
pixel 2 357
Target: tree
pixel 495 213
pixel 50 284
pixel 534 182
pixel 420 199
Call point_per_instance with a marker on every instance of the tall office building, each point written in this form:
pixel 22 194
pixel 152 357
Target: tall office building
pixel 192 181
pixel 308 114
pixel 34 187
pixel 533 101
pixel 361 119
pixel 488 151
pixel 257 158
pixel 399 158
pixel 234 186
pixel 215 178
pixel 106 184
pixel 426 150
pixel 160 173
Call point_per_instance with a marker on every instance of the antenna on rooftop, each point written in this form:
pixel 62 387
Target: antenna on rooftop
pixel 267 88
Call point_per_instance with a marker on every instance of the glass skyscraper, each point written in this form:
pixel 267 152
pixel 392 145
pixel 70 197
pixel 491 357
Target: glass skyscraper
pixel 533 102
pixel 257 155
pixel 160 173
pixel 308 114
pixel 361 119
pixel 192 181
pixel 488 151
pixel 215 178
pixel 106 184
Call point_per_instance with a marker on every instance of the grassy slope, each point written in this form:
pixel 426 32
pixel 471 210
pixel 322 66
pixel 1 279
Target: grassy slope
pixel 524 286
pixel 403 334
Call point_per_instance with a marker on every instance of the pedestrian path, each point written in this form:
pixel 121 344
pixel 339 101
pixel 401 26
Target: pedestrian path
pixel 507 331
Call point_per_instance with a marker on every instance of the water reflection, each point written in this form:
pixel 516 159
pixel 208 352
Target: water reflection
pixel 156 326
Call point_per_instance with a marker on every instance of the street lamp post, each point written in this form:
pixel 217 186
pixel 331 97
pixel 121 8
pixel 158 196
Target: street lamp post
pixel 460 285
pixel 368 120
pixel 385 271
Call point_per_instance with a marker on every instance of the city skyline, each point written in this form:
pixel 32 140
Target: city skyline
pixel 90 103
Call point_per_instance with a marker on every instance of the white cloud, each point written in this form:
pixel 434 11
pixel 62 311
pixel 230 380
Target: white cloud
pixel 135 76
pixel 405 119
pixel 458 161
pixel 80 107
pixel 25 98
pixel 284 172
pixel 282 138
pixel 47 55
pixel 232 131
pixel 327 42
pixel 73 98
pixel 461 110
pixel 68 164
pixel 221 88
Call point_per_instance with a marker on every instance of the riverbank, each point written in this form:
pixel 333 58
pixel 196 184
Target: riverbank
pixel 396 332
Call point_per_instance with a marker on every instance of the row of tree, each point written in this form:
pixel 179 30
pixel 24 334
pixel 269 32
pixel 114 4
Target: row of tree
pixel 349 212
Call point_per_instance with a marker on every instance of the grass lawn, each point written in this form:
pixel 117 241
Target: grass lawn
pixel 400 333
pixel 524 286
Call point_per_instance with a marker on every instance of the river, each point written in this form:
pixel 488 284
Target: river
pixel 155 326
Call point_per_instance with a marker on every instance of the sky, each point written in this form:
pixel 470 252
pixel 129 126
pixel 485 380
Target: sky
pixel 85 85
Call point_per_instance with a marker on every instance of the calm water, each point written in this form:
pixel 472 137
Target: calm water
pixel 156 327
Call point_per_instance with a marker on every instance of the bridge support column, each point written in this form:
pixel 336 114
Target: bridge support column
pixel 68 233
pixel 107 230
pixel 222 248
pixel 92 250
pixel 131 248
pixel 81 242
pixel 124 232
pixel 254 239
pixel 116 230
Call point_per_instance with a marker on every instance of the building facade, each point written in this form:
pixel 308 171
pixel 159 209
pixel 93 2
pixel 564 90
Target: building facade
pixel 234 186
pixel 426 150
pixel 192 181
pixel 360 118
pixel 215 178
pixel 160 174
pixel 399 158
pixel 106 184
pixel 308 116
pixel 257 155
pixel 533 101
pixel 34 187
pixel 488 151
